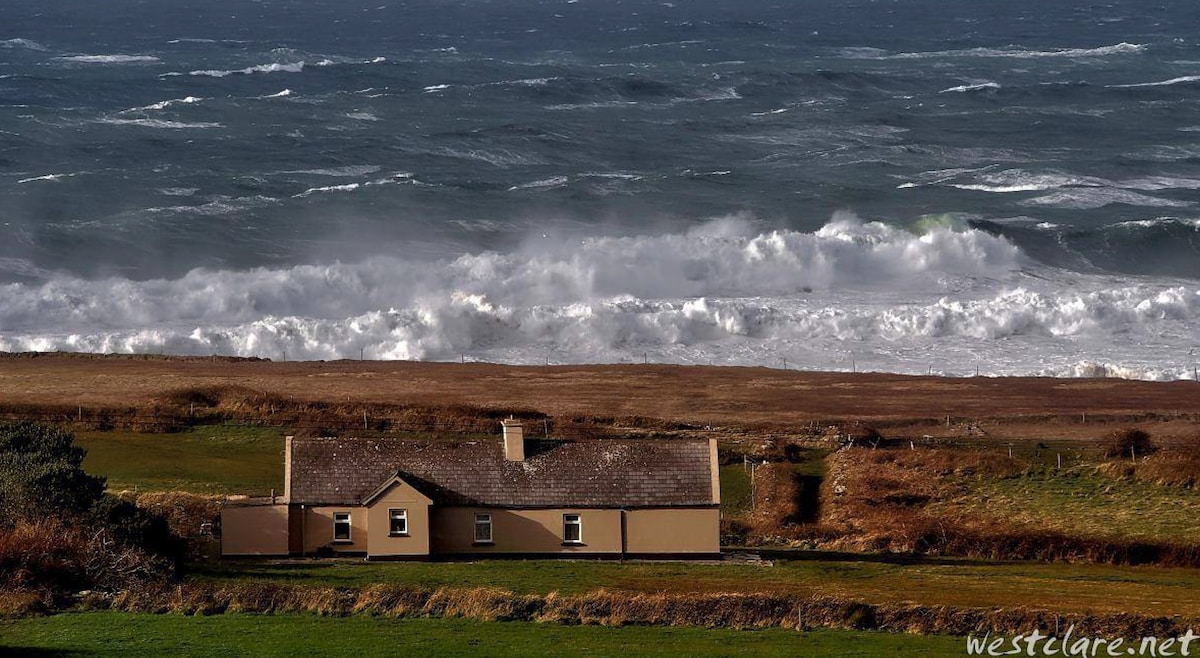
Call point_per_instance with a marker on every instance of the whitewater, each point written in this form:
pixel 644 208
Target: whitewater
pixel 851 295
pixel 852 188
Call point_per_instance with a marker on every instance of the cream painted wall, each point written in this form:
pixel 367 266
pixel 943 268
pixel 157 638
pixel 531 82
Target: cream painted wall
pixel 318 529
pixel 524 531
pixel 255 530
pixel 673 531
pixel 399 496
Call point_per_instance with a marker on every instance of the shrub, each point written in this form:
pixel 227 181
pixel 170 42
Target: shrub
pixel 1131 442
pixel 41 474
pixel 59 531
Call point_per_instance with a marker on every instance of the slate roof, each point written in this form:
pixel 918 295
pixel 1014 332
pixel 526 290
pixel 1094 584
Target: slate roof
pixel 595 473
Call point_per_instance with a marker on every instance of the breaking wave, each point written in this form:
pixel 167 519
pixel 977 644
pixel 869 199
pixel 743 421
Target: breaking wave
pixel 724 291
pixel 294 67
pixel 1064 190
pixel 51 178
pixel 978 87
pixel 162 105
pixel 26 44
pixel 161 123
pixel 1187 79
pixel 109 59
pixel 722 258
pixel 1014 52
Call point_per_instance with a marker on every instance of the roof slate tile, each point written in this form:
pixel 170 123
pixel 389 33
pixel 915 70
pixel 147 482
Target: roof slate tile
pixel 596 473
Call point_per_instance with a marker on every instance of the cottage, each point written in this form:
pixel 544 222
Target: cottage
pixel 407 499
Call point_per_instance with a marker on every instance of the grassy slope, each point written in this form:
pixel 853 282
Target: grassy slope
pixel 124 634
pixel 1082 503
pixel 1058 587
pixel 209 459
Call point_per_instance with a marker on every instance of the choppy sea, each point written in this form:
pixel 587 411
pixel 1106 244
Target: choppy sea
pixel 894 185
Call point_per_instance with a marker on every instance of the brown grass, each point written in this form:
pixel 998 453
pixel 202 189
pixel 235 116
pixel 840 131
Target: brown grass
pixel 876 495
pixel 776 498
pixel 45 556
pixel 700 396
pixel 1175 467
pixel 612 608
pixel 185 513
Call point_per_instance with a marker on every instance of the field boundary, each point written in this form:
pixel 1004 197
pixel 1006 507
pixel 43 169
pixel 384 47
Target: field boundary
pixel 605 608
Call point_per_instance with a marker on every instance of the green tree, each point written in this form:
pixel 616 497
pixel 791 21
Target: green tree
pixel 41 474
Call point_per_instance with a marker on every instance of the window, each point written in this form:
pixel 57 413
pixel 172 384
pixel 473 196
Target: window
pixel 397 522
pixel 572 529
pixel 341 527
pixel 483 528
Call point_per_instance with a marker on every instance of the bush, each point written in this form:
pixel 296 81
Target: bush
pixel 60 532
pixel 1131 442
pixel 41 474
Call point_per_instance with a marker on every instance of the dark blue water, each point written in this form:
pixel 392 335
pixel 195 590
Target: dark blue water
pixel 149 150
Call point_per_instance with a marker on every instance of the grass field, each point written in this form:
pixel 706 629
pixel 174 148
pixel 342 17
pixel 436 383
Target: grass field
pixel 208 459
pixel 126 634
pixel 1065 588
pixel 736 494
pixel 1081 502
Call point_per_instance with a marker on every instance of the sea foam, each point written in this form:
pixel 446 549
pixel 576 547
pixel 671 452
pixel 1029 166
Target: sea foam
pixel 724 292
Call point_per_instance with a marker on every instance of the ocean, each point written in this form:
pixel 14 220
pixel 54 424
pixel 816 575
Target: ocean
pixel 911 186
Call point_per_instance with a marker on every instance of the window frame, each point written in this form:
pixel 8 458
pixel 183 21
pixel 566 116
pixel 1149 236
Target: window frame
pixel 483 520
pixel 343 519
pixel 397 514
pixel 572 520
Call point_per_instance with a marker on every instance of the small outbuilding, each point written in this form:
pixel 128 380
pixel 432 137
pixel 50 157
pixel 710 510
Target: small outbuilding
pixel 390 498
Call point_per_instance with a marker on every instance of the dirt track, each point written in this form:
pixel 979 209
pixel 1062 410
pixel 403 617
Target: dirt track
pixel 710 395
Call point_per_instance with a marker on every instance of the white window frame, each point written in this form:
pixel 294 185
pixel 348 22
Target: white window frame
pixel 397 514
pixel 483 520
pixel 343 518
pixel 575 520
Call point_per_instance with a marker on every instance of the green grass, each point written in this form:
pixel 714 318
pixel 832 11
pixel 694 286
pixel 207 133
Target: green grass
pixel 1082 502
pixel 126 634
pixel 208 459
pixel 1056 587
pixel 736 497
pixel 811 462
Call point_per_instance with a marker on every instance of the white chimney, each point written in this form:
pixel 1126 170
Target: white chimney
pixel 514 440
